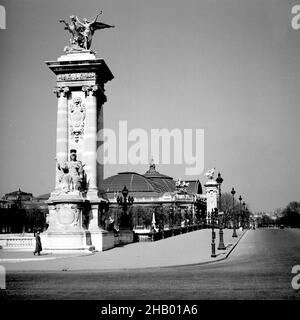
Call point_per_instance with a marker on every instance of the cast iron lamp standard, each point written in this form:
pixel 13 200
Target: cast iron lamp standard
pixel 125 202
pixel 213 234
pixel 162 222
pixel 171 220
pixel 234 235
pixel 244 214
pixel 221 246
pixel 247 217
pixel 240 213
pixel 198 206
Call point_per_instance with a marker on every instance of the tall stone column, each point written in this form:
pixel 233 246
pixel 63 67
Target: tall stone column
pixel 90 148
pixel 211 198
pixel 62 127
pixel 84 76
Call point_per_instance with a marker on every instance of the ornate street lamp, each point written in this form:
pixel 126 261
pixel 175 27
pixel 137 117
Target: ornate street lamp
pixel 234 235
pixel 213 234
pixel 221 246
pixel 244 214
pixel 125 202
pixel 171 219
pixel 219 181
pixel 161 221
pixel 240 213
pixel 198 204
pixel 247 216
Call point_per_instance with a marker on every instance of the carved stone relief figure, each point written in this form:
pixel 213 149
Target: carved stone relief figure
pixel 77 117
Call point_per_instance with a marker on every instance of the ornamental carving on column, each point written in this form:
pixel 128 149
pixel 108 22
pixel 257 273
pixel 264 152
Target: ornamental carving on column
pixel 76 76
pixel 93 90
pixel 61 91
pixel 77 117
pixel 90 90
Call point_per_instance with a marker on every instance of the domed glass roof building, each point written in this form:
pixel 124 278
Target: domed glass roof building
pixel 148 188
pixel 151 188
pixel 137 184
pixel 18 195
pixel 155 195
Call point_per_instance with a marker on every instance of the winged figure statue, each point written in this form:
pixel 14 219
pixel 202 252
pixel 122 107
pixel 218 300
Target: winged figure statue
pixel 82 31
pixel 210 173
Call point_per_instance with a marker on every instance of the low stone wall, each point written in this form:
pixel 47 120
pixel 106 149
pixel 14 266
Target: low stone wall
pixel 17 241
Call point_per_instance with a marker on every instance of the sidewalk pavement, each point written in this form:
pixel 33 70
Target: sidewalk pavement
pixel 185 249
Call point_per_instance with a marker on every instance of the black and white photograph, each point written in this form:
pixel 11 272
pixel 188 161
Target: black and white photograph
pixel 149 154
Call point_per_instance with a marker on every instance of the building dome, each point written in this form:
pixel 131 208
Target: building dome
pixel 152 173
pixel 136 184
pixel 18 196
pixel 166 183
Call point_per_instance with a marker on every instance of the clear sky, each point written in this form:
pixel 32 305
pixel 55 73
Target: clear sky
pixel 230 67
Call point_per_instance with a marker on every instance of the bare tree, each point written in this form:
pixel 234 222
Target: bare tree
pixel 227 208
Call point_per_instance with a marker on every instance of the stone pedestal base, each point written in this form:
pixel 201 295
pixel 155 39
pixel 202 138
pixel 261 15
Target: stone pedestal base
pixel 69 241
pixel 102 240
pixel 125 236
pixel 65 231
pixel 79 55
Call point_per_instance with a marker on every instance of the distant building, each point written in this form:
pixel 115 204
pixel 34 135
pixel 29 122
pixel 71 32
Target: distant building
pixel 172 202
pixel 21 212
pixel 156 193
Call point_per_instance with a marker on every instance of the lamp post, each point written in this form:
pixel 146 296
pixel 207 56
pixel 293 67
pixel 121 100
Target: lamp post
pixel 198 205
pixel 221 246
pixel 244 214
pixel 162 222
pixel 240 213
pixel 213 234
pixel 125 202
pixel 247 216
pixel 234 235
pixel 171 219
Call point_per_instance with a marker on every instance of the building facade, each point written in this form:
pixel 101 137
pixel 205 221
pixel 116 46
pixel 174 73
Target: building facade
pixel 21 212
pixel 156 196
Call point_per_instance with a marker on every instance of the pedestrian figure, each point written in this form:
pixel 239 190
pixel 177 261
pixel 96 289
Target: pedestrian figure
pixel 111 226
pixel 38 244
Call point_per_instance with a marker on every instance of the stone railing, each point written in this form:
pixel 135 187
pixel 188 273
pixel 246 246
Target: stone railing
pixel 144 237
pixel 10 241
pixel 166 233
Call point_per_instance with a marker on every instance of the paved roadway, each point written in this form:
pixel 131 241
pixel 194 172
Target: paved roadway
pixel 258 268
pixel 185 249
